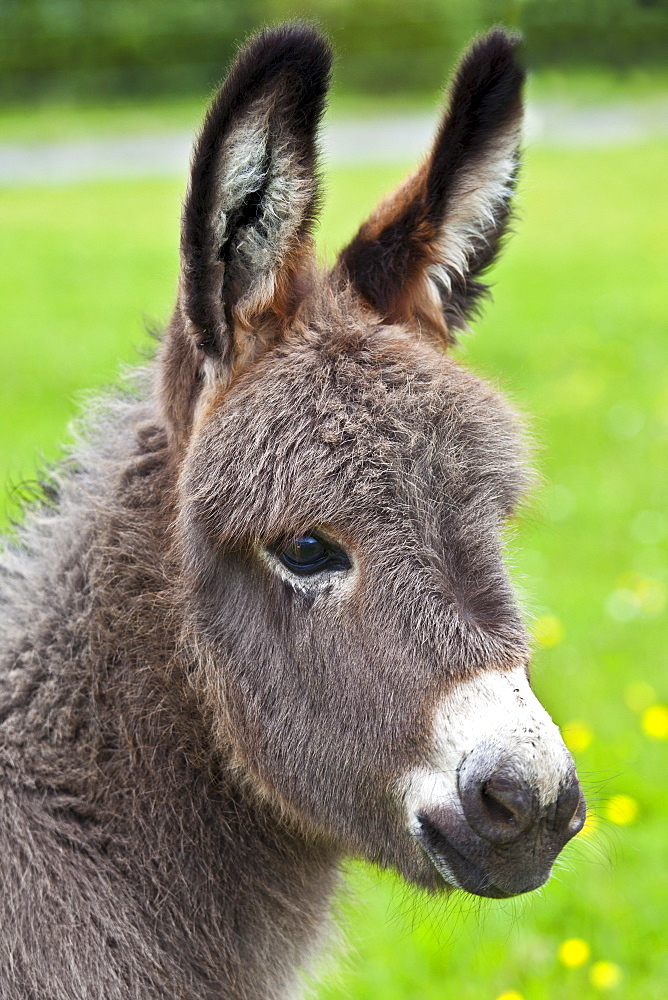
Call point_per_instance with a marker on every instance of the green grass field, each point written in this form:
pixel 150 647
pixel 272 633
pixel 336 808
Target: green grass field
pixel 577 335
pixel 45 121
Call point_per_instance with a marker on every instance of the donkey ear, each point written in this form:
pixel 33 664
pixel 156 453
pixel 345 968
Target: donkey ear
pixel 253 195
pixel 418 258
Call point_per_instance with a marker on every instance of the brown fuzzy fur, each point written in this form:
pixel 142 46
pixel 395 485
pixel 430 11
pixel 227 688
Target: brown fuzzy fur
pixel 189 744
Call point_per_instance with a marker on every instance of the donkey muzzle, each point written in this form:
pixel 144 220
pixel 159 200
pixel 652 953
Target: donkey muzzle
pixel 501 797
pixel 500 840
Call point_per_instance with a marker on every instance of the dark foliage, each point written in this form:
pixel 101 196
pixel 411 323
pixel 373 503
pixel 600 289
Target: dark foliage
pixel 92 47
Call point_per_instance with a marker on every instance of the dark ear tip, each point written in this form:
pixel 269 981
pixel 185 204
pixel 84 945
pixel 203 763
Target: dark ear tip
pixel 502 36
pixel 294 33
pixel 500 47
pixel 489 79
pixel 298 42
pixel 500 39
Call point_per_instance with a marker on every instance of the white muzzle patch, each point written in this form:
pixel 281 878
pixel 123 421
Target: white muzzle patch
pixel 497 715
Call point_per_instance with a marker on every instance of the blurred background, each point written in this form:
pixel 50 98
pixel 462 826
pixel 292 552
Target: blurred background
pixel 98 105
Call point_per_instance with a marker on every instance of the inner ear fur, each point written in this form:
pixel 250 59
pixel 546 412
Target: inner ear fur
pixel 245 248
pixel 419 257
pixel 253 188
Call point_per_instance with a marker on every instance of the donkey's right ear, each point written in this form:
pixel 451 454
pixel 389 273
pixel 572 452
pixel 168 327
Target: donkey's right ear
pixel 419 259
pixel 252 197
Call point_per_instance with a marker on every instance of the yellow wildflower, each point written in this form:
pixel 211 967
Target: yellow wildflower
pixel 605 975
pixel 622 810
pixel 573 952
pixel 654 722
pixel 577 736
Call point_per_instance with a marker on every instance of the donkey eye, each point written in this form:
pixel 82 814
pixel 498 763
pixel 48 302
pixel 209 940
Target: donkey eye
pixel 311 554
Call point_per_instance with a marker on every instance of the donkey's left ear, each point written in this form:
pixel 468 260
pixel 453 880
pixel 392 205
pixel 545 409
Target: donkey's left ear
pixel 418 258
pixel 252 195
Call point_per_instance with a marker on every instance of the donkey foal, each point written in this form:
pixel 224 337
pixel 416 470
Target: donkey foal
pixel 265 623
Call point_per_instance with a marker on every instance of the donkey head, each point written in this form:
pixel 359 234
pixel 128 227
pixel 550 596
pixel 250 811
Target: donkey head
pixel 343 484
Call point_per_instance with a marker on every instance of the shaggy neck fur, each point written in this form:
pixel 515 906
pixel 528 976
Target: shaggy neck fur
pixel 148 870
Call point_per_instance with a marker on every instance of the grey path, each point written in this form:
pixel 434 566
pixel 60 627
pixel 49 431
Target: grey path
pixel 389 139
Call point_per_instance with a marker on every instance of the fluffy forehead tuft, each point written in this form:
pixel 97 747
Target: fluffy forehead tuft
pixel 346 426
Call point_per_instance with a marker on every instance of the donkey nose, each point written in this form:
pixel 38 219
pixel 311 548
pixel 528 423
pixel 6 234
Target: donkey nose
pixel 502 805
pixel 570 810
pixel 498 807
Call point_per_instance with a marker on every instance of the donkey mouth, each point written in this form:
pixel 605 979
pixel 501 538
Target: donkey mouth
pixel 453 866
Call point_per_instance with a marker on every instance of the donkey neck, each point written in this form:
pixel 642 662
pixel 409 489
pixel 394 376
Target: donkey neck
pixel 243 895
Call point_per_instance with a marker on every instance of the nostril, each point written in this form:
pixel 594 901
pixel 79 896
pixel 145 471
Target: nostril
pixel 495 809
pixel 506 801
pixel 498 808
pixel 571 809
